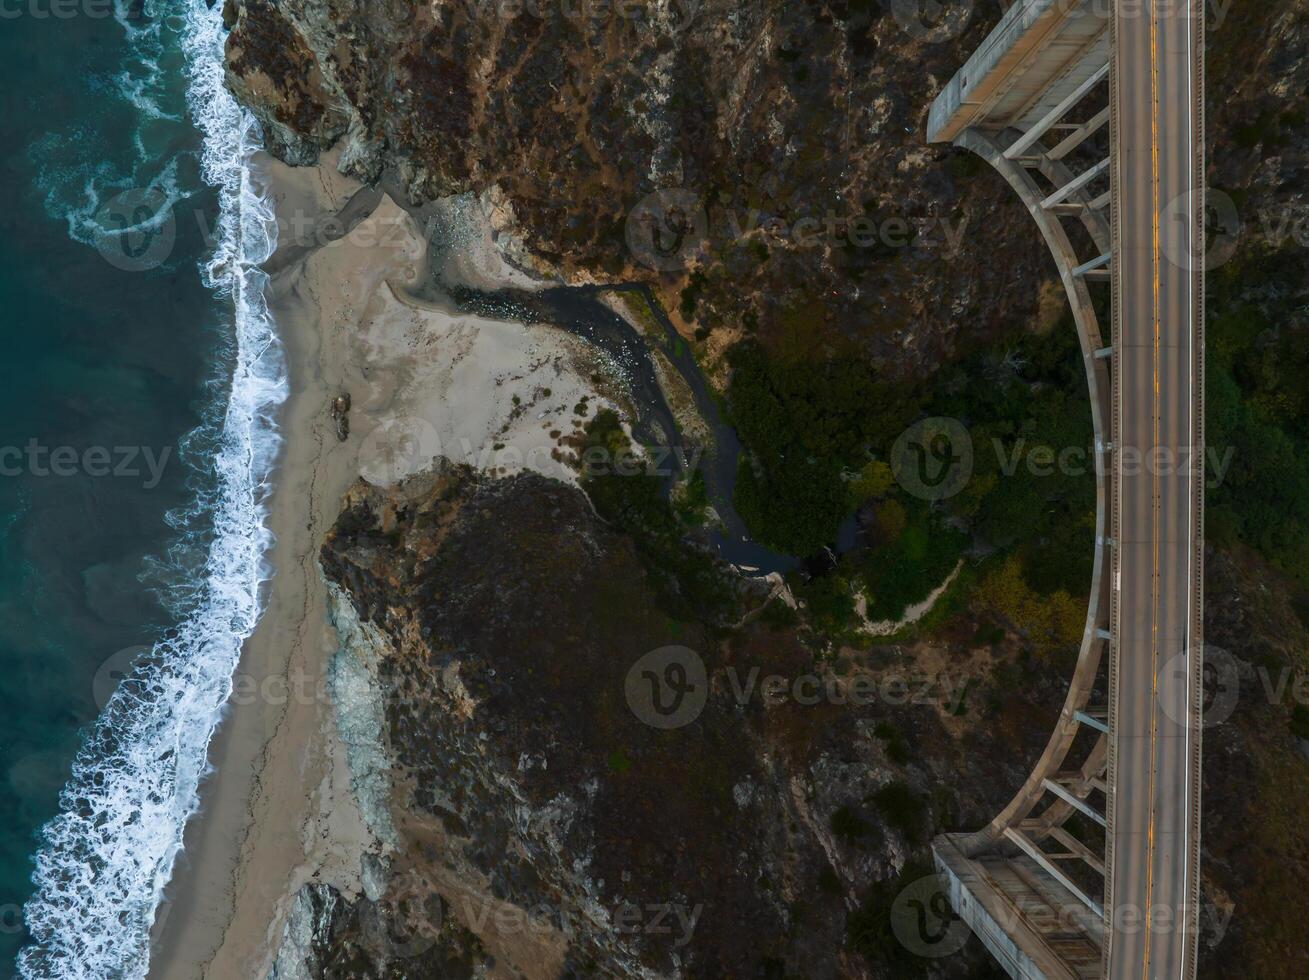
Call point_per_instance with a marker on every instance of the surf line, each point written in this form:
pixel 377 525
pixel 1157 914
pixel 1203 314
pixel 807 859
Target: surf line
pixel 110 851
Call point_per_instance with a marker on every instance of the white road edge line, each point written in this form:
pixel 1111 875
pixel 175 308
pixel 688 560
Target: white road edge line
pixel 1190 473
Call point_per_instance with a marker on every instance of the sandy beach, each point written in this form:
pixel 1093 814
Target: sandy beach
pixel 281 810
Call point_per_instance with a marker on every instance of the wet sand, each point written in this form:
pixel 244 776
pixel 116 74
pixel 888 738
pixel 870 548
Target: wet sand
pixel 278 812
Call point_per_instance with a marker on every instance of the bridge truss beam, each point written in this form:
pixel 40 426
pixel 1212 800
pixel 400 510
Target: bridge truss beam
pixel 1045 100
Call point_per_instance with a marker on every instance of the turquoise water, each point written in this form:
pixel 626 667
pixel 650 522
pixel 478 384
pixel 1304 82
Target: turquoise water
pixel 96 353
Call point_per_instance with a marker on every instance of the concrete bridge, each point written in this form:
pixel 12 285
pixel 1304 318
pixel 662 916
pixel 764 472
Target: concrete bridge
pixel 1092 110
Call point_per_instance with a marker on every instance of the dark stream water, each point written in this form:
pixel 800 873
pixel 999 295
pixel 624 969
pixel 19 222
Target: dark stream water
pixel 579 310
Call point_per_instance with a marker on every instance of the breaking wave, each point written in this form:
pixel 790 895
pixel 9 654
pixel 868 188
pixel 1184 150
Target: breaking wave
pixel 129 144
pixel 110 851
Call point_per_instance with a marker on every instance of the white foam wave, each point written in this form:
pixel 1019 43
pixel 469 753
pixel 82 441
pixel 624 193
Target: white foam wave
pixel 111 850
pixel 79 170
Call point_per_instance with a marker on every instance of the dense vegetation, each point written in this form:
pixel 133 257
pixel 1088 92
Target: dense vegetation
pixel 1257 409
pixel 819 438
pixel 1030 504
pixel 687 581
pixel 1018 401
pixel 915 552
pixel 805 425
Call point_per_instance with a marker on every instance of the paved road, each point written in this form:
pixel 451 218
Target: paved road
pixel 1158 408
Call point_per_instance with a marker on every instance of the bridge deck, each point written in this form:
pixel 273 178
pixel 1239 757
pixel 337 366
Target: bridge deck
pixel 1037 55
pixel 1043 58
pixel 1033 925
pixel 1155 736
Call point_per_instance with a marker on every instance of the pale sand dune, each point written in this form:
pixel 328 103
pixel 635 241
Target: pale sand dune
pixel 279 813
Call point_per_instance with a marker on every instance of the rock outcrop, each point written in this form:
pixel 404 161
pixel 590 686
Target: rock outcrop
pixel 540 825
pixel 548 821
pixel 791 131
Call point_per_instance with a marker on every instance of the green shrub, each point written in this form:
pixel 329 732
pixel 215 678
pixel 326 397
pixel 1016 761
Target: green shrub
pixel 686 580
pixel 904 810
pixel 897 749
pixel 803 424
pixel 1300 722
pixel 905 570
pixel 848 825
pixel 1257 409
pixel 871 932
pixel 830 603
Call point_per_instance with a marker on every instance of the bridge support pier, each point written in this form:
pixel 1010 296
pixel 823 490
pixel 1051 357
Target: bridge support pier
pixel 1035 919
pixel 1021 915
pixel 1093 114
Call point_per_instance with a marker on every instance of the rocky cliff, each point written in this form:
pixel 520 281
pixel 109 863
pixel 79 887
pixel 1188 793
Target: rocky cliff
pixel 542 826
pixel 786 136
pixel 549 820
pixel 791 131
pixel 557 816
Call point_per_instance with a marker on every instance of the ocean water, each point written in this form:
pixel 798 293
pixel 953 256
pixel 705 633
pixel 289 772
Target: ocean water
pixel 139 381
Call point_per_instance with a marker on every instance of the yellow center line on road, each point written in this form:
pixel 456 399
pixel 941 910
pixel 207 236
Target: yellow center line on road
pixel 1155 508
